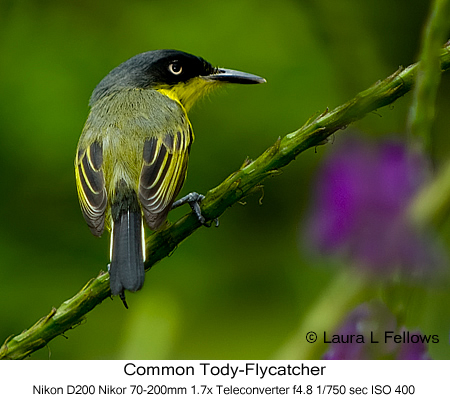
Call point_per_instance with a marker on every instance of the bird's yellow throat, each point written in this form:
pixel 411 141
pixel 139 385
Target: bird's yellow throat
pixel 187 93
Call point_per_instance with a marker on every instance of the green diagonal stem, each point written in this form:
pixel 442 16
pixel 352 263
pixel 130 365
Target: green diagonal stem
pixel 238 185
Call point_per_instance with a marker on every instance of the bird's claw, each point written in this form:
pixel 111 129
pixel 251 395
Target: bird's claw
pixel 194 199
pixel 209 223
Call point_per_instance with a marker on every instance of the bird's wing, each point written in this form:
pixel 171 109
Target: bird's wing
pixel 163 173
pixel 91 186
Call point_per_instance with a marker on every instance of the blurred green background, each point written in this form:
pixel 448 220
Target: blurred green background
pixel 236 292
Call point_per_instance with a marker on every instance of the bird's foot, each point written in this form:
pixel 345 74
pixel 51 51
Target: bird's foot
pixel 194 199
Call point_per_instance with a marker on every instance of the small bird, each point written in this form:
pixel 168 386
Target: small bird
pixel 133 152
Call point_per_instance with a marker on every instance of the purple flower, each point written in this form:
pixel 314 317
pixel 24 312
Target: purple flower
pixel 413 348
pixel 370 332
pixel 361 198
pixel 350 349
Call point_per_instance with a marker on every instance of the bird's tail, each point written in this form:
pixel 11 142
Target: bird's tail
pixel 127 246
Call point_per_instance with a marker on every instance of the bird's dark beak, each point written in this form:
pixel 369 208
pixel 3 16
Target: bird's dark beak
pixel 232 76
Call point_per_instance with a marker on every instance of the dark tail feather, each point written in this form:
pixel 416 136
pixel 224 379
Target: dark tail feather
pixel 127 260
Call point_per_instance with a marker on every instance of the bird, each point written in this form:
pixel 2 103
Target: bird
pixel 132 156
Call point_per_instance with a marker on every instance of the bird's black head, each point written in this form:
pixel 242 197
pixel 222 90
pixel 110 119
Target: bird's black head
pixel 171 67
pixel 153 69
pixel 179 75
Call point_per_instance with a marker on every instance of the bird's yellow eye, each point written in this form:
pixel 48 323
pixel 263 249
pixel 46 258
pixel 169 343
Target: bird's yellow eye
pixel 175 68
